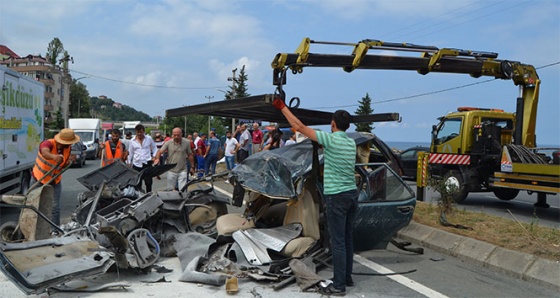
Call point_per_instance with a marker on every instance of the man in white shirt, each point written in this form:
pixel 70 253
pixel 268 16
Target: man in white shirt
pixel 230 148
pixel 244 143
pixel 142 151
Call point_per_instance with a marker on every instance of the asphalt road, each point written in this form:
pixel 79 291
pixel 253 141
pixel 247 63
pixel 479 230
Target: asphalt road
pixel 429 275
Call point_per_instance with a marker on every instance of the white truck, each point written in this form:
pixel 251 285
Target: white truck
pixel 89 130
pixel 128 126
pixel 21 129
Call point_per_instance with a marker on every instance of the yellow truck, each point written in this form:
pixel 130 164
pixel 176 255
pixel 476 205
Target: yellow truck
pixel 477 149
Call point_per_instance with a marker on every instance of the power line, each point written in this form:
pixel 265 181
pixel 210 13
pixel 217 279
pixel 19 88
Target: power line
pixel 418 26
pixel 432 92
pixel 146 85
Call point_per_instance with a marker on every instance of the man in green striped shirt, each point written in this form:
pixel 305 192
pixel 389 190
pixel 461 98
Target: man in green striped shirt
pixel 340 193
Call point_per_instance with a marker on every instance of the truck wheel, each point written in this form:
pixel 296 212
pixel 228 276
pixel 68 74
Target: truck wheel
pixel 456 180
pixel 25 182
pixel 7 231
pixel 506 194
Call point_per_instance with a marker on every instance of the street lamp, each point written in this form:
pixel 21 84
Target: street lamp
pixel 209 97
pixel 232 79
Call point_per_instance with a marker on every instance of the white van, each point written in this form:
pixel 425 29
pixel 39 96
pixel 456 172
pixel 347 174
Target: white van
pixel 89 130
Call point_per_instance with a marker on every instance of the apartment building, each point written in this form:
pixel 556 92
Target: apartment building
pixel 56 79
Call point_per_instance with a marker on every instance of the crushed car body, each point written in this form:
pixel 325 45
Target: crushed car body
pixel 114 224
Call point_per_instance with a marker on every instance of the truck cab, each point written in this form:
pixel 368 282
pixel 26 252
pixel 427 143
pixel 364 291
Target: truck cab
pixel 89 131
pixel 461 132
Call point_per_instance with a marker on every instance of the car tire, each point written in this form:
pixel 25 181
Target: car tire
pixel 506 194
pixel 455 178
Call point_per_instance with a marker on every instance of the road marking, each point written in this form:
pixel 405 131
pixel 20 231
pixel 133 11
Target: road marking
pixel 405 281
pixel 225 192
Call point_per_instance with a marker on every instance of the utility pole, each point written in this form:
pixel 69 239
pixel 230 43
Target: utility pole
pixel 233 79
pixel 209 97
pixel 79 98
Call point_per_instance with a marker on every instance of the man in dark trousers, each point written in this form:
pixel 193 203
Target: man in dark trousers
pixel 340 192
pixel 141 154
pixel 54 155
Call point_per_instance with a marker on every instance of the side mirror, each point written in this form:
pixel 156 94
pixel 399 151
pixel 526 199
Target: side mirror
pixel 84 147
pixel 434 134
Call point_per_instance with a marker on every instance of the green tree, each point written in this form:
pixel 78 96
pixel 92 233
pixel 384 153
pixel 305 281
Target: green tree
pixel 364 109
pixel 238 90
pixel 54 50
pixel 79 100
pixel 58 122
pixel 191 123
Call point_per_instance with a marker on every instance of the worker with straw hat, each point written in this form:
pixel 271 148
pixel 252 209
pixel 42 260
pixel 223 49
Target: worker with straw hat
pixel 54 155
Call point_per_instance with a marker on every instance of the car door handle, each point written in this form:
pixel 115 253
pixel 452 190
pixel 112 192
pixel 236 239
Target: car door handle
pixel 405 209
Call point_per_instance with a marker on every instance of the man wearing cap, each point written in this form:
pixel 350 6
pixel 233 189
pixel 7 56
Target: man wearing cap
pixel 54 155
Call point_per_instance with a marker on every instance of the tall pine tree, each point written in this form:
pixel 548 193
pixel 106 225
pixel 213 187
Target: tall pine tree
pixel 237 90
pixel 364 109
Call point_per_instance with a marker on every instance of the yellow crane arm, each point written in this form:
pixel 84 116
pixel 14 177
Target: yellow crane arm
pixel 431 59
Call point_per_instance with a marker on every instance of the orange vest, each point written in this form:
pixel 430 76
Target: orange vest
pixel 43 165
pixel 108 158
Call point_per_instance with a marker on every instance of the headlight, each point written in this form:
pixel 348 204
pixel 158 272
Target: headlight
pixel 90 146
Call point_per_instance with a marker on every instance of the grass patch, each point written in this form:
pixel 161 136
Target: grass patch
pixel 523 237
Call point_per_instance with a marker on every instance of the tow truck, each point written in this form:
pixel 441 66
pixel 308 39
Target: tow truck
pixel 475 149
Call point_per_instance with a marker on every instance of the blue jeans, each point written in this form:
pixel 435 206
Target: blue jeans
pixel 55 215
pixel 230 162
pixel 210 164
pixel 341 211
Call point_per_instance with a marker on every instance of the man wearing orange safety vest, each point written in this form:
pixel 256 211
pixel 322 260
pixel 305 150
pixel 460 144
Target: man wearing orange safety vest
pixel 114 149
pixel 54 154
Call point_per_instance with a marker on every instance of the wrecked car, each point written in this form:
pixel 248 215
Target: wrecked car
pixel 115 223
pixel 284 217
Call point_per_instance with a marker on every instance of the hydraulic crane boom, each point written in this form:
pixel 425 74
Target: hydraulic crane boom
pixel 432 59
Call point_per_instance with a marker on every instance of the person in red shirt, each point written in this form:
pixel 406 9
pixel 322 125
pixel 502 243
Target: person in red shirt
pixel 200 152
pixel 257 138
pixel 54 153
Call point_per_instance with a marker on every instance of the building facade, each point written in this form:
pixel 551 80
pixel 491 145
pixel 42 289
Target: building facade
pixel 56 79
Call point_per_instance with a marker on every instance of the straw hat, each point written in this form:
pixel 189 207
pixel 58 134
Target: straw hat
pixel 66 137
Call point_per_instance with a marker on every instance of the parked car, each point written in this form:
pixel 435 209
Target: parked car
pixel 409 159
pixel 79 150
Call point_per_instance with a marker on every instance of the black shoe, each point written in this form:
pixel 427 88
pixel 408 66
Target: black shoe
pixel 331 291
pixel 349 283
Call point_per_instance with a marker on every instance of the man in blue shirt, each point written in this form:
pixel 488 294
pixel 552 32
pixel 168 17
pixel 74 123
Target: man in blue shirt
pixel 211 156
pixel 340 192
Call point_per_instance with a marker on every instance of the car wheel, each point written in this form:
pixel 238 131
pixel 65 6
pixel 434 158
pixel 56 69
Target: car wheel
pixel 454 179
pixel 506 194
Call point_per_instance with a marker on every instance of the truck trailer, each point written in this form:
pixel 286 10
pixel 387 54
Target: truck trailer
pixel 21 129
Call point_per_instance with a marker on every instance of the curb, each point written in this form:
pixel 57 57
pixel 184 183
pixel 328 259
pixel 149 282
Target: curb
pixel 521 265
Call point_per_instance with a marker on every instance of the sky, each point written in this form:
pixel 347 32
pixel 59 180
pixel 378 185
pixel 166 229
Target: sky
pixel 159 55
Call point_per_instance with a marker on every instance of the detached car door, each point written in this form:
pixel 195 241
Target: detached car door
pixel 385 205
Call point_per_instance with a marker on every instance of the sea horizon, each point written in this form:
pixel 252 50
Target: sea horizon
pixel 400 145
